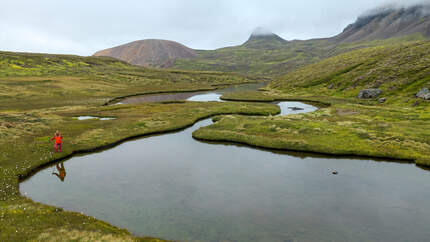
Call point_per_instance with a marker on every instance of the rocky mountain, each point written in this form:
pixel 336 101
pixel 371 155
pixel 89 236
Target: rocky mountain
pixel 268 54
pixel 149 53
pixel 388 22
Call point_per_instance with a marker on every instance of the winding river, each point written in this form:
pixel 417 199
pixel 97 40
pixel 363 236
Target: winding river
pixel 174 187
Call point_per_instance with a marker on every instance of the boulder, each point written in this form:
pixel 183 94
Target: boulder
pixel 369 93
pixel 382 100
pixel 424 94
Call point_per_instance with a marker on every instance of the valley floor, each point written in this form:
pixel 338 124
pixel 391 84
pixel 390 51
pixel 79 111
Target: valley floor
pixel 42 93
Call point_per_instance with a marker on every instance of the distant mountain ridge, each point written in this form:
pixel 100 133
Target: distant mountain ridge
pixel 149 52
pixel 267 54
pixel 388 23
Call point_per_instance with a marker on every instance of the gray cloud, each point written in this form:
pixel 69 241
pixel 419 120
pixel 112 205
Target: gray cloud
pixel 398 5
pixel 83 27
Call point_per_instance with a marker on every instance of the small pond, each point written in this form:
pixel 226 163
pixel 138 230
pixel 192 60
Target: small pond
pixel 93 117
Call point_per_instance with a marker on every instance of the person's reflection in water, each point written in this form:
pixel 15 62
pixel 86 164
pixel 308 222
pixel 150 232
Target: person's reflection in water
pixel 61 171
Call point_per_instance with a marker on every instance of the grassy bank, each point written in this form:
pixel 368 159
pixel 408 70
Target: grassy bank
pixel 397 128
pixel 41 93
pixel 347 129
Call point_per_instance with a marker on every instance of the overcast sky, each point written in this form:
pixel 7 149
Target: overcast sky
pixel 85 26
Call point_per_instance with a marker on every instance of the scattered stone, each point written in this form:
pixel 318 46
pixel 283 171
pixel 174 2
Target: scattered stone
pixel 424 94
pixel 295 108
pixel 369 93
pixel 382 100
pixel 335 173
pixel 416 104
pixel 330 86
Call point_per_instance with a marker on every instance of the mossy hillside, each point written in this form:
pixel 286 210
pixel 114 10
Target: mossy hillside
pixel 272 59
pixel 30 81
pixel 400 71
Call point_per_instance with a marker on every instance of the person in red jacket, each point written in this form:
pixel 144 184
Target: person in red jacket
pixel 58 141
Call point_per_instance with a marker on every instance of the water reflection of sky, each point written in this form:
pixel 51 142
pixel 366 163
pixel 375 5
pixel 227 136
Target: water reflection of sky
pixel 207 97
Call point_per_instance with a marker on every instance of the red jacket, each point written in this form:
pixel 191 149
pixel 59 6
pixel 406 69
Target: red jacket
pixel 58 139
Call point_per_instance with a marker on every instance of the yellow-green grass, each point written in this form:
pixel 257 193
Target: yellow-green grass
pixel 341 129
pixel 272 58
pixel 41 93
pixel 399 70
pixel 50 80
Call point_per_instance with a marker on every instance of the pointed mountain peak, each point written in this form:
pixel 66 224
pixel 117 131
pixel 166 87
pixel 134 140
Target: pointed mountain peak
pixel 262 38
pixel 260 31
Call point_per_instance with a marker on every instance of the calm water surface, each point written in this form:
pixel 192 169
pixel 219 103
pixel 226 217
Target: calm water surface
pixel 174 187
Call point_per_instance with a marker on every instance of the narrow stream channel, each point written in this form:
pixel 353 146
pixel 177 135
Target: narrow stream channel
pixel 174 187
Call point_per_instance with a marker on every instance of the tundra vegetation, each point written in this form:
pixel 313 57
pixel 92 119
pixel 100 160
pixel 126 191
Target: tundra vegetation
pixel 394 124
pixel 42 93
pixel 269 57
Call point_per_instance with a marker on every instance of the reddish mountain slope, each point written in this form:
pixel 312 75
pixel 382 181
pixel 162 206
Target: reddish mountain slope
pixel 150 52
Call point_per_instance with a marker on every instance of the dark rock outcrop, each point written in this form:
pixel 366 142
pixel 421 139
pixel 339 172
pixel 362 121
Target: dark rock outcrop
pixel 369 93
